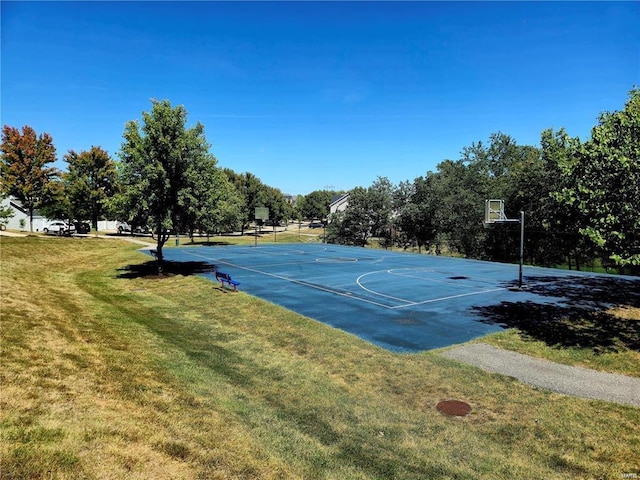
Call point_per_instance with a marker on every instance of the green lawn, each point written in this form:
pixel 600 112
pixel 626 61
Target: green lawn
pixel 108 373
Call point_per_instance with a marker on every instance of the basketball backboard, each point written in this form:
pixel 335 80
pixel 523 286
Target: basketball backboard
pixel 262 213
pixel 494 211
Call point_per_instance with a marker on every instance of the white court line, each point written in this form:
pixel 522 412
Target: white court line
pixel 433 300
pixel 342 294
pixel 378 293
pixel 410 303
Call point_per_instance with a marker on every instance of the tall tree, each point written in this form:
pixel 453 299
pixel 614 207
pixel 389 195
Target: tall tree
pixel 380 205
pixel 368 214
pixel 460 189
pixel 353 225
pixel 273 199
pixel 315 205
pixel 403 224
pixel 605 176
pixel 417 212
pixel 25 171
pixel 250 188
pixel 561 221
pixel 90 181
pixel 213 205
pixel 164 165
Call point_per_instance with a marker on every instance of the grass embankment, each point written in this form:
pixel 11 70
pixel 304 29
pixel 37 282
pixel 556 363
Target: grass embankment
pixel 106 374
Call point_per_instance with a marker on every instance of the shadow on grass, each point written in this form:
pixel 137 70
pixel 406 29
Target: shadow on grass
pixel 576 314
pixel 169 268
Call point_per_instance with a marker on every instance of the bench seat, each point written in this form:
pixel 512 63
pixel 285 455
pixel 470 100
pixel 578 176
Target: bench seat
pixel 226 278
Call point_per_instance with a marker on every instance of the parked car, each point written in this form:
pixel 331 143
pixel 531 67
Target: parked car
pixel 144 229
pixel 82 227
pixel 316 225
pixel 59 228
pixel 124 227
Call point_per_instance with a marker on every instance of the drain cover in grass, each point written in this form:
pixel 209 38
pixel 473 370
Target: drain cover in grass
pixel 454 407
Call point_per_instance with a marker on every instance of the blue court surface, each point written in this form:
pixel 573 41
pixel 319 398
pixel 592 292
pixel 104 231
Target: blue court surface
pixel 399 301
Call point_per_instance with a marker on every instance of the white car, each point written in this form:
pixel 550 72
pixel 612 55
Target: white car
pixel 59 228
pixel 124 227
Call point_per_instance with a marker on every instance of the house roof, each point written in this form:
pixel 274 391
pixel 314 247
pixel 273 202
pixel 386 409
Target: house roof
pixel 339 198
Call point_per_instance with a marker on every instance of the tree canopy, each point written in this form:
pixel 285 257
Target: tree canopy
pixel 169 179
pixel 90 181
pixel 580 199
pixel 25 171
pixel 580 196
pixel 315 205
pixel 604 185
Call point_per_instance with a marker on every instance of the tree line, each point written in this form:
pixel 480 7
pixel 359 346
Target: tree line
pixel 580 198
pixel 165 178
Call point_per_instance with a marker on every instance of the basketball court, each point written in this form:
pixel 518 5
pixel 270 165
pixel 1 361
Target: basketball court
pixel 398 301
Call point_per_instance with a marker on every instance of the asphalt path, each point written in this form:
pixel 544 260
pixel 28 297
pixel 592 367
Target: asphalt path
pixel 565 379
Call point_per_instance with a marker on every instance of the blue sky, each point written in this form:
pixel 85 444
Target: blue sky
pixel 309 95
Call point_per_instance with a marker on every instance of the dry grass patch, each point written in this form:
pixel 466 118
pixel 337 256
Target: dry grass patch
pixel 626 312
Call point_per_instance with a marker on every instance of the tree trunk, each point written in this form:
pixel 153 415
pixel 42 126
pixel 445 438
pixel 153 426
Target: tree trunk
pixel 162 237
pixel 159 255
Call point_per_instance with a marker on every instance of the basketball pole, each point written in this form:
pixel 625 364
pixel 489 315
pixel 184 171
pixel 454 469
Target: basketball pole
pixel 521 247
pixel 494 213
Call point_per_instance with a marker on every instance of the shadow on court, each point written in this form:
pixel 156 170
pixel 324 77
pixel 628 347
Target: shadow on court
pixel 150 269
pixel 576 315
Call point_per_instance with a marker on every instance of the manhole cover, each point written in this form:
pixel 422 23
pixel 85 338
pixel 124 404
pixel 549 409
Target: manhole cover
pixel 454 407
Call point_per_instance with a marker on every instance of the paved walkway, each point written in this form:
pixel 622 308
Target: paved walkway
pixel 576 381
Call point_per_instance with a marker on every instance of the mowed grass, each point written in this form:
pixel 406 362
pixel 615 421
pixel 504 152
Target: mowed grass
pixel 105 374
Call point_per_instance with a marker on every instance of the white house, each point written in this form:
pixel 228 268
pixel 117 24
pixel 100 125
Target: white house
pixel 339 203
pixel 20 218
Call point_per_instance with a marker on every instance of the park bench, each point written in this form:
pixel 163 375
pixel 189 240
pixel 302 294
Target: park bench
pixel 226 278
